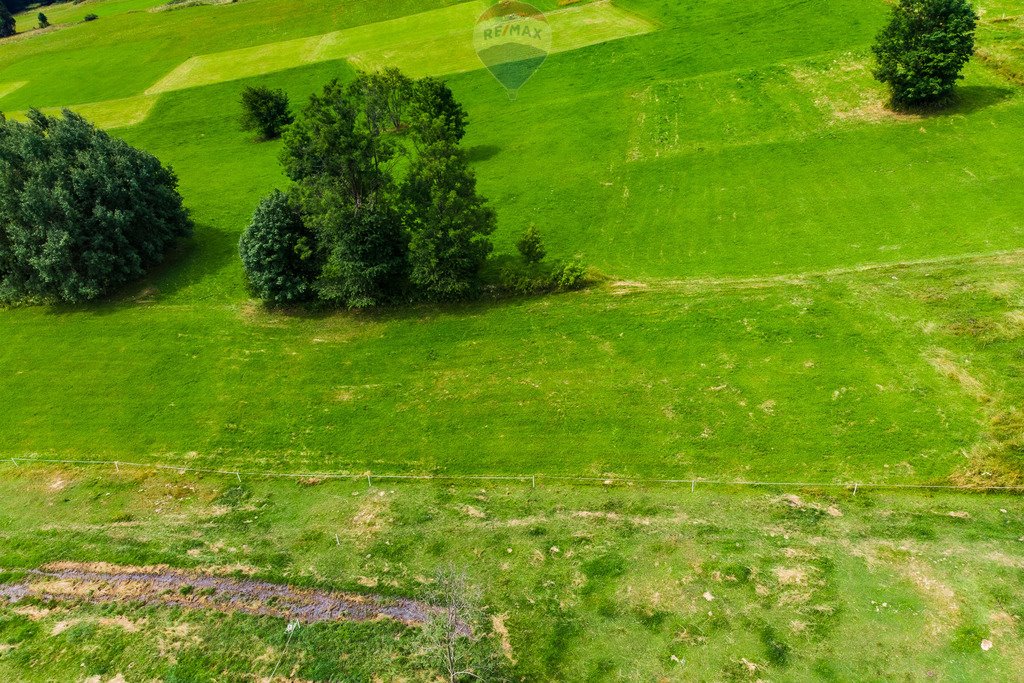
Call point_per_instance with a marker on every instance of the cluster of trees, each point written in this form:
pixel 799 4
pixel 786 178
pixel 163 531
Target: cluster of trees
pixel 922 51
pixel 353 230
pixel 81 213
pixel 8 8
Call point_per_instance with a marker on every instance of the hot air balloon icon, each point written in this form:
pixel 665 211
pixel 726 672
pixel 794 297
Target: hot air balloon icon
pixel 512 39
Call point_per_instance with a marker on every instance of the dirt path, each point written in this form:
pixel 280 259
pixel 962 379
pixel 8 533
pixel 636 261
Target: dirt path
pixel 195 590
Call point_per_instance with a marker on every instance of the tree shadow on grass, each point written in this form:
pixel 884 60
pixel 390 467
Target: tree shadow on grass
pixel 967 100
pixel 203 257
pixel 192 261
pixel 487 302
pixel 482 153
pixel 419 312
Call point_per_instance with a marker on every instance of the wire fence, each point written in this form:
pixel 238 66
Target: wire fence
pixel 532 479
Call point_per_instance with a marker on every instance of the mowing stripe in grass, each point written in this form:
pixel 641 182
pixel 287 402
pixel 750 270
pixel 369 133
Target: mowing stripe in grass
pixel 429 43
pixel 434 42
pixel 572 29
pixel 7 88
pixel 110 114
pixel 472 479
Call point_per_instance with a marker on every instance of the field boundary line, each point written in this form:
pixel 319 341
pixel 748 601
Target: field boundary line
pixel 533 479
pixel 800 277
pixel 699 284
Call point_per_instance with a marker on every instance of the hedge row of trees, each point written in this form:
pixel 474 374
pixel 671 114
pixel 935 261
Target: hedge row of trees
pixel 15 6
pixel 353 230
pixel 8 26
pixel 81 213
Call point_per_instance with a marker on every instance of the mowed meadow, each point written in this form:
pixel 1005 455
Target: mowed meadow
pixel 795 284
pixel 799 284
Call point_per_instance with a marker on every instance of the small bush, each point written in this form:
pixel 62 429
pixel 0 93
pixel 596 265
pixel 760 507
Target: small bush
pixel 43 21
pixel 531 247
pixel 569 276
pixel 90 17
pixel 516 281
pixel 265 112
pixel 519 280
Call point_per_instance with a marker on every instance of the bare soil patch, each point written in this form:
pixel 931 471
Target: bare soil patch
pixel 498 623
pixel 162 586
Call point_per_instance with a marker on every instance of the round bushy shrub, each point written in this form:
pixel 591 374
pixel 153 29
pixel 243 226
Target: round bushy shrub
pixel 81 212
pixel 923 49
pixel 531 246
pixel 277 252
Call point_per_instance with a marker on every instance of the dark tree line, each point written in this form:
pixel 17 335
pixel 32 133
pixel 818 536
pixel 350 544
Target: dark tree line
pixel 8 26
pixel 15 6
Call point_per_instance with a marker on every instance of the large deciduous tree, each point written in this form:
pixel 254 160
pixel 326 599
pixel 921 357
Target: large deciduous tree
pixel 922 51
pixel 81 212
pixel 365 257
pixel 386 96
pixel 341 166
pixel 435 114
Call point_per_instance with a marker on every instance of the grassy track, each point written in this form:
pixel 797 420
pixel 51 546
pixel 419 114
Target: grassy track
pixel 586 584
pixel 867 376
pixel 414 31
pixel 109 115
pixel 8 88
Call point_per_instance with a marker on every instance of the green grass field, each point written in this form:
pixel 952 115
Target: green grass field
pixel 730 154
pixel 800 286
pixel 582 584
pixel 834 378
